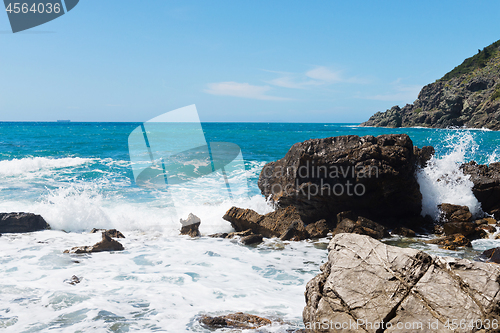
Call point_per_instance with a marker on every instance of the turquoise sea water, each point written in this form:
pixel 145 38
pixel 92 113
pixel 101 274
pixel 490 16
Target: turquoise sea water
pixel 79 176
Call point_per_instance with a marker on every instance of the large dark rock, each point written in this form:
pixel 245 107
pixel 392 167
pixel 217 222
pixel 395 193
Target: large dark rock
pixel 374 176
pixel 468 96
pixel 486 180
pixel 492 255
pixel 191 226
pixel 284 223
pixel 21 222
pixel 106 244
pixel 454 213
pixel 368 282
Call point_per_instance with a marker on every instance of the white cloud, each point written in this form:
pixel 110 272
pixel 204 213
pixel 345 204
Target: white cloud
pixel 244 90
pixel 324 75
pixel 400 93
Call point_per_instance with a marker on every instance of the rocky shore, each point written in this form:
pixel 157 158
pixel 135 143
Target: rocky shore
pixel 469 95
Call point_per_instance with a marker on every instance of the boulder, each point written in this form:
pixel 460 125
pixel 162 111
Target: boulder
pixel 318 229
pixel 251 239
pixel 486 180
pixel 492 255
pixel 454 213
pixel 21 222
pixel 237 320
pixel 376 286
pixel 113 233
pixel 106 244
pixel 348 222
pixel 374 176
pixel 191 225
pixel 451 242
pixel 284 223
pixel 464 228
pixel 402 231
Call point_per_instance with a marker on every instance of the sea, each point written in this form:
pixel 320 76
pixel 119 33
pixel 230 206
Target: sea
pixel 80 176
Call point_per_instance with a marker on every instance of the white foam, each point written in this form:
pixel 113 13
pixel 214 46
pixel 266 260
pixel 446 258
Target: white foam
pixel 28 165
pixel 442 181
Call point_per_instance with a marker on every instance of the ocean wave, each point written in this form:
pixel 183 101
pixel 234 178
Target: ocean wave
pixel 25 165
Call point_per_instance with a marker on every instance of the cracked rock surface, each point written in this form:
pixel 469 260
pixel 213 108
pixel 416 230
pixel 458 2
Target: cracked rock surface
pixel 390 289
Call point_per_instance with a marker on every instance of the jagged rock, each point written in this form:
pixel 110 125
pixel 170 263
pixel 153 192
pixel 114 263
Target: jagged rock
pixel 21 222
pixel 370 281
pixel 486 180
pixel 423 155
pixel 190 226
pixel 402 231
pixel 454 213
pixel 348 222
pixel 464 228
pixel 237 320
pixel 374 176
pixel 113 233
pixel 74 280
pixel 492 255
pixel 106 244
pixel 251 239
pixel 247 232
pixel 451 242
pixel 219 235
pixel 468 96
pixel 284 223
pixel 318 229
pixel 488 228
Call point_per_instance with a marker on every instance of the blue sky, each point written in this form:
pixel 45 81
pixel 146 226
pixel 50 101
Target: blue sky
pixel 265 61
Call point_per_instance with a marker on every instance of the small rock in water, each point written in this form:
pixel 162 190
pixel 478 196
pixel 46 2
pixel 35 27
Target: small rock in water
pixel 251 239
pixel 235 320
pixel 74 280
pixel 219 235
pixel 190 226
pixel 492 255
pixel 451 242
pixel 106 244
pixel 113 233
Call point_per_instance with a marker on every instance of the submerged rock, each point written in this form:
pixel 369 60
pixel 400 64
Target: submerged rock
pixel 368 282
pixel 191 225
pixel 374 176
pixel 236 320
pixel 21 222
pixel 106 244
pixel 113 233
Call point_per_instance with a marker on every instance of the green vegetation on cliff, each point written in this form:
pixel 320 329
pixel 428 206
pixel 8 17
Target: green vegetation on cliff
pixel 469 65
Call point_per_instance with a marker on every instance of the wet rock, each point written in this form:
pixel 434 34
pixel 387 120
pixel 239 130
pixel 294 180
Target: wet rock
pixel 21 222
pixel 374 176
pixel 369 280
pixel 191 226
pixel 236 320
pixel 251 239
pixel 348 222
pixel 464 228
pixel 318 229
pixel 402 231
pixel 106 244
pixel 486 180
pixel 74 280
pixel 219 235
pixel 451 242
pixel 492 255
pixel 488 228
pixel 284 223
pixel 113 233
pixel 247 232
pixel 481 222
pixel 454 213
pixel 423 155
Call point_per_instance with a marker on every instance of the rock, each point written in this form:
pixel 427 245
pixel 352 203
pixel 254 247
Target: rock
pixel 374 176
pixel 348 222
pixel 113 233
pixel 454 213
pixel 219 235
pixel 490 220
pixel 247 232
pixel 451 242
pixel 106 244
pixel 469 96
pixel 481 222
pixel 488 228
pixel 492 255
pixel 73 281
pixel 486 180
pixel 21 222
pixel 318 229
pixel 372 282
pixel 236 320
pixel 251 239
pixel 464 228
pixel 284 223
pixel 190 226
pixel 402 231
pixel 423 155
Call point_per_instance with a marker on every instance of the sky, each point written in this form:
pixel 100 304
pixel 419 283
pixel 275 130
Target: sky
pixel 252 61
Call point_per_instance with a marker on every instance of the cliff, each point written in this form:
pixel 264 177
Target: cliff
pixel 469 95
